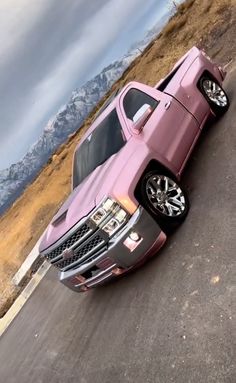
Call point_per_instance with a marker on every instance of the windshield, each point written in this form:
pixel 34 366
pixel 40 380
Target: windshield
pixel 102 143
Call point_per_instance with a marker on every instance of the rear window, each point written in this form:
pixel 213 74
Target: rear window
pixel 106 140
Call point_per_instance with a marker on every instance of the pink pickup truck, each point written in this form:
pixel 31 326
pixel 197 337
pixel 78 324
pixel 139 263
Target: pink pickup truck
pixel 126 194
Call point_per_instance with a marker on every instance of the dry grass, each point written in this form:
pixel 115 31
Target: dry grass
pixel 174 25
pixel 185 6
pixel 207 6
pixel 178 20
pixel 196 22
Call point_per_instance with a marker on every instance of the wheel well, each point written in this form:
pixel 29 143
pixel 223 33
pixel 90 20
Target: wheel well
pixel 215 109
pixel 152 165
pixel 206 74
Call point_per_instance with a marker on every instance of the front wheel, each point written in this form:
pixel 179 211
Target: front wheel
pixel 215 95
pixel 164 199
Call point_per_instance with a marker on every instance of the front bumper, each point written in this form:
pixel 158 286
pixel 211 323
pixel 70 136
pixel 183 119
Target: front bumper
pixel 118 258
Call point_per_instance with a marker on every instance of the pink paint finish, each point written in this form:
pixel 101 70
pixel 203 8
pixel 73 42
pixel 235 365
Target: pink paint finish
pixel 168 137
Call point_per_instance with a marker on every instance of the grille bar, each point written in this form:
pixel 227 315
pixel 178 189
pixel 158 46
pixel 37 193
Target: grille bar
pixel 73 241
pixel 84 252
pixel 82 244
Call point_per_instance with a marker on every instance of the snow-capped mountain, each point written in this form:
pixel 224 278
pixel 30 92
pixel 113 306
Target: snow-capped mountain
pixel 68 119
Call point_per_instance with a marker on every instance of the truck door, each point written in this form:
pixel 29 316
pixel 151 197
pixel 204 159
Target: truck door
pixel 170 130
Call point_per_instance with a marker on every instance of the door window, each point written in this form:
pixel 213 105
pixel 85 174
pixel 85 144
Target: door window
pixel 136 103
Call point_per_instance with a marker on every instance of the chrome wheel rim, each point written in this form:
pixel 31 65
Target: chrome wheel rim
pixel 215 93
pixel 165 195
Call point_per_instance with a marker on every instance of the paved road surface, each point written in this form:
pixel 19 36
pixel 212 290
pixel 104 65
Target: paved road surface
pixel 172 320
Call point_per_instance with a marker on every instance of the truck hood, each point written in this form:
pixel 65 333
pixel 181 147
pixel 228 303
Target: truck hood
pixel 78 205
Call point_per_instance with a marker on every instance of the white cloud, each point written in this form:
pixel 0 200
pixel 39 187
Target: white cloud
pixel 16 19
pixel 71 62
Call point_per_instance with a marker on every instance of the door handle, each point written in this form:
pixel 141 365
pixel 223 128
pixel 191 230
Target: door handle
pixel 167 105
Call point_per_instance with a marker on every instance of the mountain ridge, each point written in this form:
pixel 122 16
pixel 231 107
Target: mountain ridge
pixel 66 121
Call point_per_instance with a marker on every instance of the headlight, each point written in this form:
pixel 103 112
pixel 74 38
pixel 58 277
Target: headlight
pixel 111 226
pixel 107 207
pixel 117 216
pixel 121 215
pixel 115 222
pixel 98 216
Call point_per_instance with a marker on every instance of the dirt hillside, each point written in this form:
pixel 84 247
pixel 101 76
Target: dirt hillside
pixel 209 24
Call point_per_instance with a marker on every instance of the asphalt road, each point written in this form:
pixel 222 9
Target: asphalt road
pixel 171 320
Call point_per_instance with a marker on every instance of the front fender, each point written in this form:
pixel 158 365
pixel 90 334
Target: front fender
pixel 129 176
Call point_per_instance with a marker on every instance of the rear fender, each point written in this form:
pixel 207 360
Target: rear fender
pixel 184 85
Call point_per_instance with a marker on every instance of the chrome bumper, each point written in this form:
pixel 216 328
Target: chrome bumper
pixel 118 258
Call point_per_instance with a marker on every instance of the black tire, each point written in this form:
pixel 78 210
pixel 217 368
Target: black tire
pixel 158 205
pixel 215 95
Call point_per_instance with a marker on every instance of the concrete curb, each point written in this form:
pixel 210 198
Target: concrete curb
pixel 23 297
pixel 27 264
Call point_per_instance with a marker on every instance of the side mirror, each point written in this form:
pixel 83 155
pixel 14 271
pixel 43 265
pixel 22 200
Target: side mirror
pixel 141 117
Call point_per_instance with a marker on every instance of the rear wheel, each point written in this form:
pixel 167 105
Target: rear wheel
pixel 164 199
pixel 215 95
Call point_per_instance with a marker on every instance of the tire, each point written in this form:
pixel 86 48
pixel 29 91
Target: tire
pixel 164 199
pixel 215 95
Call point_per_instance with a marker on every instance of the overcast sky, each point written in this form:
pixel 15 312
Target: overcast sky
pixel 50 47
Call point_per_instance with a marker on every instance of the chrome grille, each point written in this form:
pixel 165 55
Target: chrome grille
pixel 80 233
pixel 81 245
pixel 93 244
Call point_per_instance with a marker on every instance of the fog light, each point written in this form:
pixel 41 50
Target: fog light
pixel 133 241
pixel 134 236
pixel 117 271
